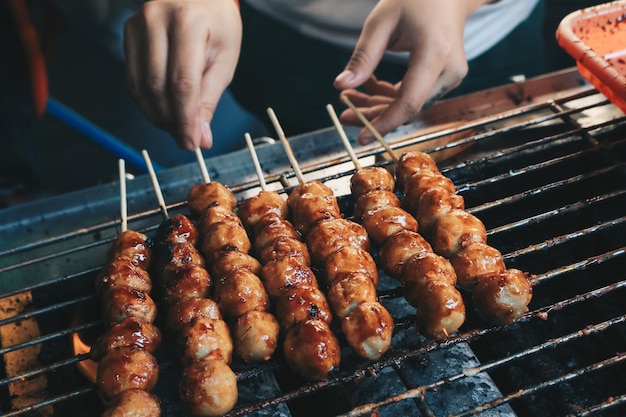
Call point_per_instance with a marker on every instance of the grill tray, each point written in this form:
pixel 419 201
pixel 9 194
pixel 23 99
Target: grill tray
pixel 544 169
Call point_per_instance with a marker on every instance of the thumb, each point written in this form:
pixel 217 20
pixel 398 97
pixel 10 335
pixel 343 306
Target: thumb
pixel 367 54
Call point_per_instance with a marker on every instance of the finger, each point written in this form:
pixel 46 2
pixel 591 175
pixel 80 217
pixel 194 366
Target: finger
pixel 186 66
pixel 349 118
pixel 146 51
pixel 381 88
pixel 367 53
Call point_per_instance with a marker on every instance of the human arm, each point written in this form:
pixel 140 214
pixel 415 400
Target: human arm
pixel 432 33
pixel 180 57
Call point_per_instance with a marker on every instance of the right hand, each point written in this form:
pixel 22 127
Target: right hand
pixel 180 57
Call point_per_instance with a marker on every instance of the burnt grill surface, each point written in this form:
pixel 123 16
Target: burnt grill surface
pixel 549 182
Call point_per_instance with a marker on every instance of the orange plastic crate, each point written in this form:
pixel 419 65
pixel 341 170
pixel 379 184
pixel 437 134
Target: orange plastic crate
pixel 596 38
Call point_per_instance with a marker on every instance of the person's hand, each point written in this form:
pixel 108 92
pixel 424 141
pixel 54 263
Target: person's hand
pixel 432 33
pixel 181 55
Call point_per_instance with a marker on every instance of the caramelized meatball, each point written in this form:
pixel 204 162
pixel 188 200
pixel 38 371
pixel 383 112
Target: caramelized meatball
pixel 348 291
pixel 474 260
pixel 133 402
pixel 213 215
pixel 123 302
pixel 204 195
pixel 455 230
pixel 411 163
pixel 371 178
pixel 253 209
pixel 188 281
pixel 203 339
pixel 311 209
pixel 282 274
pixel 398 249
pixel 434 203
pixel 383 222
pixel 421 268
pixel 350 259
pixel 255 335
pixel 177 256
pixel 313 187
pixel 130 332
pixel 225 261
pixel 122 271
pixel 270 228
pixel 126 368
pixel 301 303
pixel 208 388
pixel 418 184
pixel 374 199
pixel 440 310
pixel 312 350
pixel 285 246
pixel 330 235
pixel 177 229
pixel 181 314
pixel 133 245
pixel 369 329
pixel 239 292
pixel 502 297
pixel 229 235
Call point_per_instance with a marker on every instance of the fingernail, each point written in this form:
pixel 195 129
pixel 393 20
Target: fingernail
pixel 345 76
pixel 207 137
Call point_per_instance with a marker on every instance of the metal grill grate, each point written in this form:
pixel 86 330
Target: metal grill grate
pixel 548 179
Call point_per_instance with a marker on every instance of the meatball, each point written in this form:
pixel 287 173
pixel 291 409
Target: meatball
pixel 371 178
pixel 177 229
pixel 301 303
pixel 502 297
pixel 208 388
pixel 126 368
pixel 239 292
pixel 384 222
pixel 253 209
pixel 229 235
pixel 204 339
pixel 120 303
pixel 374 199
pixel 411 163
pixel 313 187
pixel 123 271
pixel 133 402
pixel 130 332
pixel 423 267
pixel 350 259
pixel 455 230
pixel 369 329
pixel 255 336
pixel 225 261
pixel 312 350
pixel 204 195
pixel 188 281
pixel 270 228
pixel 310 209
pixel 474 260
pixel 285 246
pixel 181 314
pixel 330 235
pixel 434 203
pixel 213 215
pixel 398 249
pixel 348 291
pixel 440 310
pixel 418 184
pixel 282 274
pixel 176 256
pixel 133 245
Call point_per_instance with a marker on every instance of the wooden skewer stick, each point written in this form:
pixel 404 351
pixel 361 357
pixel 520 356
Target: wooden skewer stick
pixel 155 184
pixel 371 128
pixel 255 160
pixel 123 207
pixel 287 146
pixel 203 168
pixel 343 136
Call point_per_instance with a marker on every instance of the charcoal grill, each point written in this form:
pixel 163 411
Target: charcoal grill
pixel 541 162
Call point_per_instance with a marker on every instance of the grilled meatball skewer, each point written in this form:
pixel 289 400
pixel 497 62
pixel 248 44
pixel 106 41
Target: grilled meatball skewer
pixel 127 367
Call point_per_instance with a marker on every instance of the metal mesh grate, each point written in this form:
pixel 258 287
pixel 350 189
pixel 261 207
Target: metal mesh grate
pixel 549 182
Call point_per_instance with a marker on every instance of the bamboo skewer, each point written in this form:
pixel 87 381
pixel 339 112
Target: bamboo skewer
pixel 123 206
pixel 203 167
pixel 155 184
pixel 255 160
pixel 287 146
pixel 343 136
pixel 371 128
